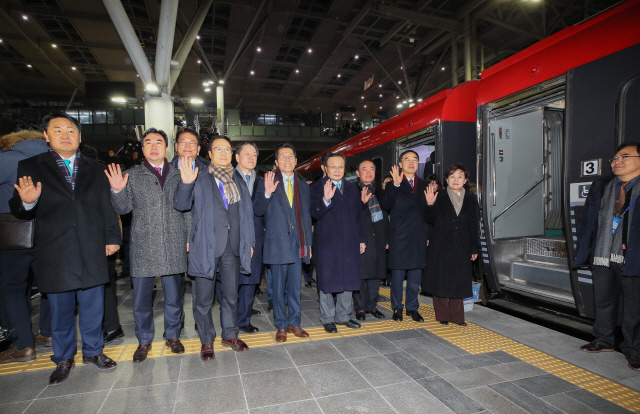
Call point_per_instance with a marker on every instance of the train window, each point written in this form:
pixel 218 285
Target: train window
pixel 629 111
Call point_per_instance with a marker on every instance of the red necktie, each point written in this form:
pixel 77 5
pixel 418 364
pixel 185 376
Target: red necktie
pixel 159 170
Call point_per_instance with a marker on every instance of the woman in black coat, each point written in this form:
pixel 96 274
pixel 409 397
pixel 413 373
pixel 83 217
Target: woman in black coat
pixel 453 245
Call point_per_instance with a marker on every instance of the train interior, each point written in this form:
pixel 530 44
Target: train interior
pixel 423 143
pixel 525 197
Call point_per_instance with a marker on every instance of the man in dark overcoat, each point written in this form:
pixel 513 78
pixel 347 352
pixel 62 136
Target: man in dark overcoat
pixel 68 195
pixel 247 157
pixel 335 204
pixel 283 199
pixel 404 199
pixel 373 262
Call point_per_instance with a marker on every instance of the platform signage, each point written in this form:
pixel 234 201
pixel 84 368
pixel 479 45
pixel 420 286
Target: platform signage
pixel 591 167
pixel 579 193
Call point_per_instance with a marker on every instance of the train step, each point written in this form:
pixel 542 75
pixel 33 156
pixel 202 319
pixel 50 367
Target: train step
pixel 545 274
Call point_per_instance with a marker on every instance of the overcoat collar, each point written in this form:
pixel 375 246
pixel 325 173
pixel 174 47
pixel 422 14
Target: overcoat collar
pixel 47 158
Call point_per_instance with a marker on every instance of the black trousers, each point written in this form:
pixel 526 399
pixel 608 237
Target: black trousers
pixel 609 288
pixel 367 298
pixel 111 320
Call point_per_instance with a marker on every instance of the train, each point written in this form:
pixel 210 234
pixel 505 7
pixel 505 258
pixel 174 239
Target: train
pixel 534 131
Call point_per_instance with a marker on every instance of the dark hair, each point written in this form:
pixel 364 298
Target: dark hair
pixel 110 149
pixel 286 145
pixel 454 168
pixel 406 152
pixel 216 136
pixel 360 163
pixel 629 144
pixel 156 131
pixel 47 118
pixel 186 130
pixel 244 144
pixel 434 178
pixel 333 155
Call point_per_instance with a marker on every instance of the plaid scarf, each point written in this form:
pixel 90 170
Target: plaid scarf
pixel 374 207
pixel 71 178
pixel 225 175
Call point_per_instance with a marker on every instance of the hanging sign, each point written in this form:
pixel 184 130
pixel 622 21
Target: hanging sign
pixel 368 83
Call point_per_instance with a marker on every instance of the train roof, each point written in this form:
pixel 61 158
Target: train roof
pixel 608 32
pixel 455 104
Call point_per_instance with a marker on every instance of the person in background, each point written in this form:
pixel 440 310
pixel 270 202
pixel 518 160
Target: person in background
pixel 609 244
pixel 68 195
pixel 15 264
pixel 453 244
pixel 373 262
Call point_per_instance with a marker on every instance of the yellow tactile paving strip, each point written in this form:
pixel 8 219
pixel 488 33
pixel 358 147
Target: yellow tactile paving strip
pixel 472 338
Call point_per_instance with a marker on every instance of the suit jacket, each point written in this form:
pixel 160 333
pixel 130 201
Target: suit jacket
pixel 253 278
pixel 279 237
pixel 73 226
pixel 373 263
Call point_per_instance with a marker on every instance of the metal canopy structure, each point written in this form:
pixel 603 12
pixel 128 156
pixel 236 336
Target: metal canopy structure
pixel 273 55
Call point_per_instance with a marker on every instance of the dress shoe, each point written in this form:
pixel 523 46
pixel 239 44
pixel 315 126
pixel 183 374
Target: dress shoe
pixel 634 362
pixel 350 324
pixel 175 345
pixel 310 283
pixel 110 337
pixel 270 307
pixel 263 281
pixel 376 314
pixel 594 347
pixel 330 327
pixel 297 331
pixel 206 352
pixel 43 340
pixel 248 329
pixel 141 352
pixel 101 361
pixel 281 335
pixel 236 344
pixel 415 315
pixel 462 324
pixel 397 315
pixel 445 323
pixel 14 354
pixel 255 312
pixel 360 315
pixel 61 373
pixel 258 291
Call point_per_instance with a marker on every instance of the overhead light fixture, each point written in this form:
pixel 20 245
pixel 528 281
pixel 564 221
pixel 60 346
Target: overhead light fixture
pixel 119 100
pixel 365 106
pixel 258 49
pixel 196 101
pixel 309 50
pixel 198 37
pixel 29 66
pixel 399 106
pixel 404 102
pixel 199 61
pixel 410 100
pixel 380 107
pixel 205 84
pixel 401 67
pixel 136 74
pixel 419 99
pixel 210 82
pixel 207 90
pixel 25 17
pixel 397 96
pixel 297 70
pixel 152 87
pixel 356 57
pixel 0 40
pixel 443 68
pixel 74 68
pixel 400 82
pixel 221 81
pixel 252 73
pixel 380 86
pixel 54 45
pixel 339 75
pixel 381 95
pixel 353 114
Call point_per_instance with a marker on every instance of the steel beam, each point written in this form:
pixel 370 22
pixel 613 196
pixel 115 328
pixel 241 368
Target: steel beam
pixel 247 33
pixel 399 25
pixel 164 48
pixel 395 83
pixel 513 28
pixel 422 19
pixel 454 61
pixel 467 48
pixel 403 68
pixel 431 72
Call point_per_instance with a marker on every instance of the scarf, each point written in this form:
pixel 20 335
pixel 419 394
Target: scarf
pixel 374 207
pixel 165 171
pixel 225 175
pixel 304 249
pixel 71 178
pixel 456 199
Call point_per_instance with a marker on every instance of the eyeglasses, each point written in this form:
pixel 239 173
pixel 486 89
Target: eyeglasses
pixel 188 143
pixel 219 150
pixel 287 157
pixel 336 167
pixel 622 158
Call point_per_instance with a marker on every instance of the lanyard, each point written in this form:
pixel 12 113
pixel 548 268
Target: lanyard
pixel 630 205
pixel 618 218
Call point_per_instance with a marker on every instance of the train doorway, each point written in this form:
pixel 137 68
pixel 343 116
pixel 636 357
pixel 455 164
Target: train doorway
pixel 423 142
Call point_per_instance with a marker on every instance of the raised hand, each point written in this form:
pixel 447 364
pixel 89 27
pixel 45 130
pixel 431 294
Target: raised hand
pixel 431 194
pixel 396 175
pixel 187 175
pixel 116 181
pixel 28 192
pixel 329 190
pixel 269 184
pixel 365 196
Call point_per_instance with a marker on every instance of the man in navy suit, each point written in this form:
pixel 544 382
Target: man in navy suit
pixel 283 199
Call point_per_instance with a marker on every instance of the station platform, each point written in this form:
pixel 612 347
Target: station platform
pixel 497 364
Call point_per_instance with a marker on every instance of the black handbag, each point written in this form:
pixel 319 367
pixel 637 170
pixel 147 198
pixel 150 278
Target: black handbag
pixel 15 234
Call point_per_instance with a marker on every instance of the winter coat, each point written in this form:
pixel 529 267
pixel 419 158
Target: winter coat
pixel 158 231
pixel 253 277
pixel 339 232
pixel 373 263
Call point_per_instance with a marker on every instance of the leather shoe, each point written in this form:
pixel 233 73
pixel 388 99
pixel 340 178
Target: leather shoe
pixel 270 307
pixel 258 291
pixel 593 348
pixel 360 316
pixel 14 354
pixel 397 315
pixel 350 324
pixel 248 329
pixel 61 373
pixel 175 345
pixel 415 315
pixel 101 361
pixel 297 331
pixel 445 323
pixel 236 344
pixel 463 324
pixel 255 312
pixel 330 327
pixel 281 335
pixel 110 337
pixel 376 314
pixel 634 362
pixel 310 283
pixel 206 352
pixel 43 340
pixel 141 352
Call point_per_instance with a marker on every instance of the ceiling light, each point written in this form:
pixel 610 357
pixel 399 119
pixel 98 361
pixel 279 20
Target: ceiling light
pixel 221 81
pixel 199 61
pixel 207 90
pixel 309 50
pixel 252 73
pixel 353 114
pixel 365 106
pixel 0 40
pixel 152 87
pixel 205 84
pixel 419 99
pixel 74 68
pixel 380 86
pixel 198 37
pixel 362 97
pixel 443 68
pixel 258 49
pixel 380 107
pixel 381 95
pixel 404 102
pixel 136 74
pixel 339 75
pixel 25 17
pixel 410 100
pixel 297 70
pixel 196 101
pixel 119 100
pixel 400 82
pixel 54 45
pixel 29 66
pixel 399 106
pixel 397 96
pixel 356 57
pixel 210 82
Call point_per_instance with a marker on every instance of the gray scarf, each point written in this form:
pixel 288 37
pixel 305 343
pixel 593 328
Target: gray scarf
pixel 456 199
pixel 374 207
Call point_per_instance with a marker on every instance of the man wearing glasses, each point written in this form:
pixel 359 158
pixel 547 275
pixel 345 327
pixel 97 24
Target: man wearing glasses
pixel 222 240
pixel 609 245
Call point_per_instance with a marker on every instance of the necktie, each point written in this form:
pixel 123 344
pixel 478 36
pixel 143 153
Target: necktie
pixel 248 178
pixel 411 182
pixel 159 170
pixel 339 185
pixel 290 192
pixel 621 197
pixel 221 188
pixel 68 164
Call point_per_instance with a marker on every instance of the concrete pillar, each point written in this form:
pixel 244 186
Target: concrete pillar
pixel 474 52
pixel 467 48
pixel 222 130
pixel 158 113
pixel 454 61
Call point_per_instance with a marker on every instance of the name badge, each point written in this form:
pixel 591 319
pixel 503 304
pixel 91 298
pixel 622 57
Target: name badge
pixel 616 222
pixel 376 216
